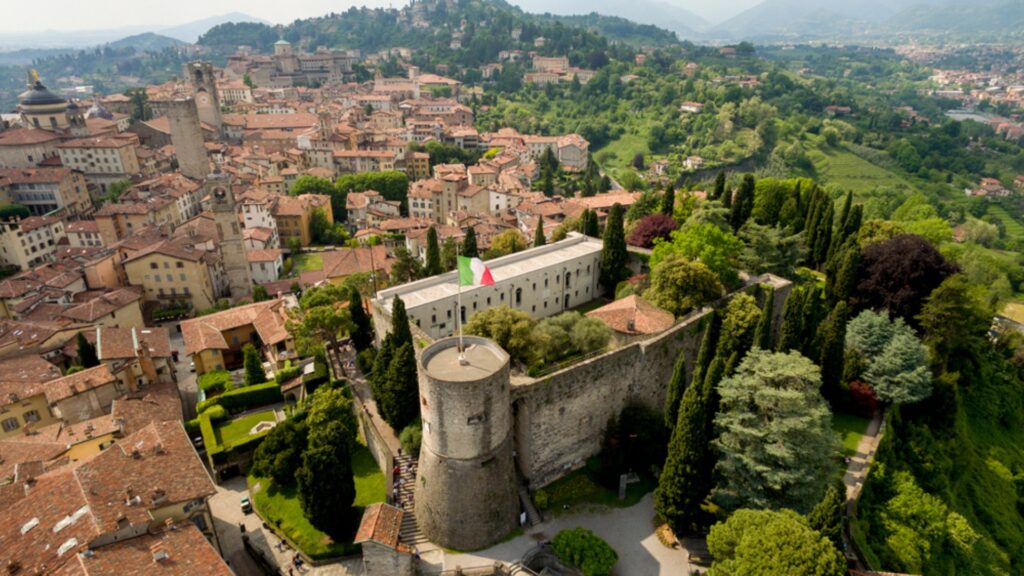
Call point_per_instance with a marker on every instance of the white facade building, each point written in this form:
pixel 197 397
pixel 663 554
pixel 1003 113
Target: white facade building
pixel 541 281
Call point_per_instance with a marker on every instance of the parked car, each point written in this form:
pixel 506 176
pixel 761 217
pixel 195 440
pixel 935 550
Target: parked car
pixel 246 505
pixel 191 366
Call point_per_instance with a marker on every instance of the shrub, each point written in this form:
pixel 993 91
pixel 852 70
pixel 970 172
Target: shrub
pixel 863 402
pixel 216 413
pixel 192 427
pixel 215 382
pixel 287 373
pixel 365 360
pixel 583 549
pixel 411 437
pixel 244 398
pixel 541 499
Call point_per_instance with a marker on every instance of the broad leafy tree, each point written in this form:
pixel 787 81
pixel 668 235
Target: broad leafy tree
pixel 651 228
pixel 510 329
pixel 325 484
pixel 715 248
pixel 679 285
pixel 770 543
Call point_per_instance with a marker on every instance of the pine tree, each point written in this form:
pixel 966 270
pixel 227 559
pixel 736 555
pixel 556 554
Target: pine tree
pixel 433 264
pixel 831 344
pixel 538 233
pixel 668 201
pixel 362 333
pixel 254 373
pixel 719 192
pixel 613 254
pixel 400 331
pixel 469 248
pixel 87 357
pixel 763 334
pixel 676 388
pixel 399 401
pixel 827 515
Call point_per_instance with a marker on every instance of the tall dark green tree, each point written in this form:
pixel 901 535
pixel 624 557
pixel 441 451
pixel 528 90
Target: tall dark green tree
pixel 399 401
pixel 433 261
pixel 708 345
pixel 401 333
pixel 325 484
pixel 362 331
pixel 792 321
pixel 823 237
pixel 381 363
pixel 763 333
pixel 253 364
pixel 668 201
pixel 681 487
pixel 469 248
pixel 538 232
pixel 719 190
pixel 592 226
pixel 613 255
pixel 831 347
pixel 674 394
pixel 827 515
pixel 842 279
pixel 87 357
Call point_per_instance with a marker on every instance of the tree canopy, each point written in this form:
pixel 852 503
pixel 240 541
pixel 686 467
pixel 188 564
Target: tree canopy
pixel 768 543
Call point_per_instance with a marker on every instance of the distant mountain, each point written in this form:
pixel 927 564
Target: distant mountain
pixel 851 19
pixel 147 42
pixel 653 12
pixel 191 31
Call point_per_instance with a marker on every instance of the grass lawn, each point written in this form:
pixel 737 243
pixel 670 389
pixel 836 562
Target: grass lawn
pixel 579 488
pixel 851 429
pixel 619 153
pixel 234 431
pixel 279 507
pixel 307 262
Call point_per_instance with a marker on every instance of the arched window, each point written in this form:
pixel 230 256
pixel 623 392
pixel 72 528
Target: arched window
pixel 519 296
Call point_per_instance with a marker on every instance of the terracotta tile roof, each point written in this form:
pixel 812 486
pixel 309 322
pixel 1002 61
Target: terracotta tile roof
pixel 81 226
pixel 29 335
pixel 33 222
pixel 348 261
pixel 158 403
pixel 271 121
pixel 26 136
pixel 634 315
pixel 103 305
pixel 100 142
pixel 188 554
pixel 26 371
pixel 78 383
pixel 257 233
pixel 139 465
pixel 206 332
pixel 381 524
pixel 34 175
pixel 181 248
pixel 16 451
pixel 120 343
pixel 358 200
pixel 266 255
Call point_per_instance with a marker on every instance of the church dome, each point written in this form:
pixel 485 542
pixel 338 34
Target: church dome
pixel 39 95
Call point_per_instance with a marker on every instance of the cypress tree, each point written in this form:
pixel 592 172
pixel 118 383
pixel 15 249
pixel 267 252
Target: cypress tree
pixel 433 264
pixel 852 224
pixel 469 248
pixel 846 274
pixel 763 333
pixel 362 333
pixel 824 236
pixel 719 192
pixel 792 321
pixel 844 214
pixel 827 515
pixel 87 357
pixel 736 210
pixel 676 389
pixel 324 482
pixel 709 391
pixel 813 312
pixel 681 486
pixel 813 214
pixel 750 191
pixel 726 198
pixel 400 331
pixel 538 233
pixel 708 345
pixel 613 254
pixel 381 363
pixel 592 226
pixel 399 401
pixel 668 201
pixel 254 373
pixel 831 344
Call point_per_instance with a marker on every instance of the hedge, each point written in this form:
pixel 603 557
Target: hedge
pixel 217 381
pixel 287 373
pixel 244 398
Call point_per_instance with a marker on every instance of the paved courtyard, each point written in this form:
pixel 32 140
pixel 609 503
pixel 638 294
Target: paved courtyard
pixel 629 530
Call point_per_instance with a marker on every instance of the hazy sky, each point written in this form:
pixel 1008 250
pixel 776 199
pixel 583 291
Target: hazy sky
pixel 24 16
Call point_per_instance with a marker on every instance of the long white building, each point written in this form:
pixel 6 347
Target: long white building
pixel 541 281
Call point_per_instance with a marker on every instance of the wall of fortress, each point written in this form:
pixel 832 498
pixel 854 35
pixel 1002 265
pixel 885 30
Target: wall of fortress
pixel 560 418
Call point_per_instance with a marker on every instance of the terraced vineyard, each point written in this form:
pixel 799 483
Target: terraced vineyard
pixel 1014 229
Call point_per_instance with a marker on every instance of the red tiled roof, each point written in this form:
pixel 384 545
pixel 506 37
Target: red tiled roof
pixel 34 175
pixel 381 524
pixel 26 136
pixel 103 305
pixel 348 261
pixel 189 553
pixel 634 315
pixel 206 332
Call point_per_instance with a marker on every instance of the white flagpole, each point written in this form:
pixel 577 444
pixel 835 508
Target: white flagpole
pixel 458 311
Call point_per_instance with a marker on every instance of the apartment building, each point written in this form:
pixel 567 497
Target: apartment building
pixel 55 191
pixel 29 242
pixel 175 271
pixel 215 341
pixel 293 214
pixel 104 160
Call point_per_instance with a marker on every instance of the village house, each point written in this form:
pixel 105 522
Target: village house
pixel 215 341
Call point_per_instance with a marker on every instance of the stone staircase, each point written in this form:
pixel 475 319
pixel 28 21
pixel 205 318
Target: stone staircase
pixel 532 515
pixel 410 532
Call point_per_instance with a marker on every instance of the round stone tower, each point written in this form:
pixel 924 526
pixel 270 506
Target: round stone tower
pixel 466 488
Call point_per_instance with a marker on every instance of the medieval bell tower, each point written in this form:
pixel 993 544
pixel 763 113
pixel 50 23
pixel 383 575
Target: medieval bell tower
pixel 222 203
pixel 204 87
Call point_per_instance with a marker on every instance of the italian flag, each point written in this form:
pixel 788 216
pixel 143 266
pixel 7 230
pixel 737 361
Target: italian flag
pixel 473 272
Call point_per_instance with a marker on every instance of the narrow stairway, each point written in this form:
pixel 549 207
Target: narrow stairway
pixel 532 515
pixel 410 532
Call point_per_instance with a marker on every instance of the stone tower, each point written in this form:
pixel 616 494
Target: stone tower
pixel 187 137
pixel 466 495
pixel 204 86
pixel 236 265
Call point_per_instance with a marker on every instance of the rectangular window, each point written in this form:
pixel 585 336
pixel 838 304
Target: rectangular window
pixel 10 424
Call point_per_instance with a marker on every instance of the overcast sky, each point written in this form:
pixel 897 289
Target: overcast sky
pixel 26 16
